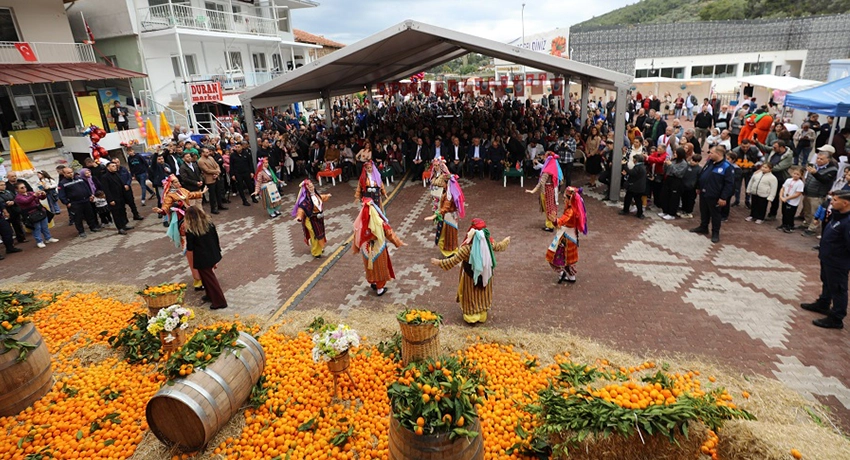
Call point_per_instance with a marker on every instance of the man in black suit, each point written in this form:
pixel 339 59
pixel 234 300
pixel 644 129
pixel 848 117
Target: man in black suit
pixel 455 156
pixel 495 156
pixel 113 188
pixel 516 151
pixel 315 158
pixel 476 158
pixel 420 156
pixel 190 174
pixel 121 116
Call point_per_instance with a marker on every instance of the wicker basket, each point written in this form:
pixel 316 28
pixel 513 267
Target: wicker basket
pixel 339 364
pixel 155 304
pixel 174 345
pixel 419 342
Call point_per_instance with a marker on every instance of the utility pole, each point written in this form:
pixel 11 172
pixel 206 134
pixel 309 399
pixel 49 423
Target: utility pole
pixel 523 45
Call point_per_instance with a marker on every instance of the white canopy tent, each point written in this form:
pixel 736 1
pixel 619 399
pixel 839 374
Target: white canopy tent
pixel 410 47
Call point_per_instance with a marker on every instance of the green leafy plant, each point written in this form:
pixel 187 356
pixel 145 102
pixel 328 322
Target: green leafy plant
pixel 16 309
pixel 259 393
pixel 438 396
pixel 200 351
pixel 412 316
pixel 135 342
pixel 391 348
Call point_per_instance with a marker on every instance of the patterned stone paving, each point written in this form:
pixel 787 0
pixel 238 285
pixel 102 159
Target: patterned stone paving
pixel 649 287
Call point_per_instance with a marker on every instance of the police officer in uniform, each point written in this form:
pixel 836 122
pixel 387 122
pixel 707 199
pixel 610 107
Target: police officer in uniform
pixel 715 186
pixel 834 258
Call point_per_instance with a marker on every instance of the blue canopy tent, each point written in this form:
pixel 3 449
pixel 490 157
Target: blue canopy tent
pixel 831 99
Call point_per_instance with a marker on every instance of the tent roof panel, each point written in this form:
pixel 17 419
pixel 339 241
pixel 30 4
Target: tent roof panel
pixel 832 98
pixel 403 50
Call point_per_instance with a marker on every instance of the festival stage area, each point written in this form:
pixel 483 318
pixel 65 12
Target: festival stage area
pixel 643 286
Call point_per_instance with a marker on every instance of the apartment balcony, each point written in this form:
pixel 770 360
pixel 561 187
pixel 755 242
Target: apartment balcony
pixel 163 17
pixel 45 53
pixel 237 80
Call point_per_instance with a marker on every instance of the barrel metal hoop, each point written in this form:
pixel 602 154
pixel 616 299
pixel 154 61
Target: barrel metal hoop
pixel 183 398
pixel 224 386
pixel 250 349
pixel 210 399
pixel 245 363
pixel 257 347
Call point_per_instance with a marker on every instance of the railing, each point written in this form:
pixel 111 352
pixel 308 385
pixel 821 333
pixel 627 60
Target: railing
pixel 189 17
pixel 45 53
pixel 152 107
pixel 237 79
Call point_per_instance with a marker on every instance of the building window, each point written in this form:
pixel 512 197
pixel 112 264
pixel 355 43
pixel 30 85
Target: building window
pixel 259 62
pixel 110 60
pixel 234 60
pixel 666 72
pixel 277 63
pixel 8 27
pixel 757 68
pixel 725 70
pixel 190 65
pixel 641 73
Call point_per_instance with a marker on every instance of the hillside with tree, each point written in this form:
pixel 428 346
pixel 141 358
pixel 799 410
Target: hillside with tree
pixel 667 11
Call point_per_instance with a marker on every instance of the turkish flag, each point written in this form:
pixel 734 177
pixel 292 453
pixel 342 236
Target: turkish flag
pixel 558 87
pixel 395 87
pixel 382 88
pixel 26 52
pixel 504 81
pixel 440 88
pixel 519 88
pixel 529 79
pixel 453 89
pixel 426 87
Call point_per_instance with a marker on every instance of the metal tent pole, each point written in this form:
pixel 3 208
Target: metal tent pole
pixel 617 154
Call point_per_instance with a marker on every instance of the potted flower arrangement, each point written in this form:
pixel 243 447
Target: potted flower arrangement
pixel 171 324
pixel 420 332
pixel 162 295
pixel 331 344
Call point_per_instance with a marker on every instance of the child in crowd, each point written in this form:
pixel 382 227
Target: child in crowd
pixel 762 189
pixel 48 185
pixel 102 207
pixel 732 157
pixel 790 195
pixel 714 138
pixel 689 192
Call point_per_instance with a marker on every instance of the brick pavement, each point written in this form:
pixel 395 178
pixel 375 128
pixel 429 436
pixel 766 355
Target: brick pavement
pixel 648 287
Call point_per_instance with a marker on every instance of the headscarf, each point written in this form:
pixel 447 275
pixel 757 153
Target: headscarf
pixel 455 194
pixel 551 167
pixel 368 226
pixel 166 184
pixel 376 175
pixel 268 171
pixel 88 179
pixel 481 256
pixel 577 203
pixel 302 196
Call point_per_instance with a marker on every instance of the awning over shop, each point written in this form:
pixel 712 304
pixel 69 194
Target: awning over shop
pixel 831 99
pixel 787 84
pixel 231 100
pixel 23 74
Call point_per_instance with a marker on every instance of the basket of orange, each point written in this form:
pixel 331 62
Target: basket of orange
pixel 745 164
pixel 162 295
pixel 420 333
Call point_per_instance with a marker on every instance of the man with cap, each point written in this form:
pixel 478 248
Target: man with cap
pixel 834 255
pixel 477 254
pixel 715 186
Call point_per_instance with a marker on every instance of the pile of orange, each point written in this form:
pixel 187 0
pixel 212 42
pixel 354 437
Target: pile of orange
pixel 162 289
pixel 420 317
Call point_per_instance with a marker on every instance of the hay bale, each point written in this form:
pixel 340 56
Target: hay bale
pixel 638 446
pixel 94 354
pixel 120 292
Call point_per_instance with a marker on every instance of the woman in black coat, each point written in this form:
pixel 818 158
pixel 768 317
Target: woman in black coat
pixel 204 252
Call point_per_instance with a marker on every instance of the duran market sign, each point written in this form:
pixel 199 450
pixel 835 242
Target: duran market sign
pixel 206 92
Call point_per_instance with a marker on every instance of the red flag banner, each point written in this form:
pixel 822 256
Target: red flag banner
pixel 558 87
pixel 440 88
pixel 492 83
pixel 453 88
pixel 504 81
pixel 542 79
pixel 404 89
pixel 529 79
pixel 26 52
pixel 395 88
pixel 382 88
pixel 426 87
pixel 485 85
pixel 519 89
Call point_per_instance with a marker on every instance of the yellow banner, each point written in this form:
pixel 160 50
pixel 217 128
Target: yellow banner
pixel 90 110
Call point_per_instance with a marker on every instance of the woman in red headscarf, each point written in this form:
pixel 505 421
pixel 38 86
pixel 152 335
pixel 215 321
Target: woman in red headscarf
pixel 372 233
pixel 477 254
pixel 550 178
pixel 175 201
pixel 370 185
pixel 451 208
pixel 562 254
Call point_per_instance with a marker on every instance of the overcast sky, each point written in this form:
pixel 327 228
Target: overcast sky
pixel 348 21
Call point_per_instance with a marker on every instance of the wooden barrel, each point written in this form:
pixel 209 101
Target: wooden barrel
pixel 419 342
pixel 23 383
pixel 190 412
pixel 406 445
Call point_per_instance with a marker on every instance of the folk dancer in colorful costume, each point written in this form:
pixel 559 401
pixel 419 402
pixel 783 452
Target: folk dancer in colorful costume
pixel 562 254
pixel 372 233
pixel 477 253
pixel 451 208
pixel 175 201
pixel 265 185
pixel 550 177
pixel 439 177
pixel 370 185
pixel 309 210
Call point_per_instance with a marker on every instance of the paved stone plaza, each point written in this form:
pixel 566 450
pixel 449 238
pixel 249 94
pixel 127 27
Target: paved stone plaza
pixel 643 286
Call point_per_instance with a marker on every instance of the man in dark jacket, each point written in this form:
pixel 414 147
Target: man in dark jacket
pixel 635 186
pixel 190 174
pixel 702 123
pixel 113 187
pixel 6 231
pixel 139 167
pixel 76 193
pixel 495 156
pixel 242 173
pixel 121 116
pixel 834 255
pixel 129 199
pixel 715 186
pixel 819 182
